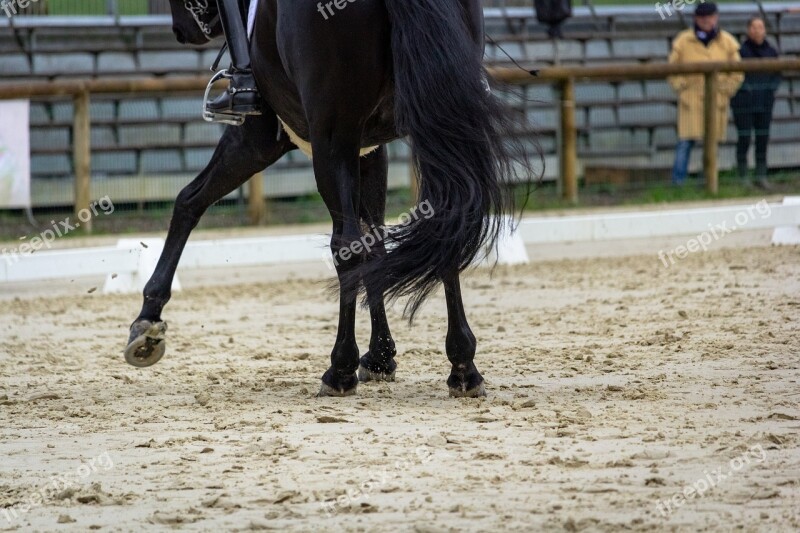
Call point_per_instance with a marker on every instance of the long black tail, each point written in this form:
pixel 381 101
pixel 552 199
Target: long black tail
pixel 462 148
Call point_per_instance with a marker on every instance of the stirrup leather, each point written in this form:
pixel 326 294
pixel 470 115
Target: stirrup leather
pixel 224 118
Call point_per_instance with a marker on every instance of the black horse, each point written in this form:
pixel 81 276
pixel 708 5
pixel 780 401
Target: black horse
pixel 346 77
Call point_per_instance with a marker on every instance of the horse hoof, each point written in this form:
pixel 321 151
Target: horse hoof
pixel 475 392
pixel 365 375
pixel 371 368
pixel 327 390
pixel 147 343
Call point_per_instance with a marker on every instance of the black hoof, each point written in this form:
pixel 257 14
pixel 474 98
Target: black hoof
pixel 475 392
pixel 337 385
pixel 369 370
pixel 466 383
pixel 146 344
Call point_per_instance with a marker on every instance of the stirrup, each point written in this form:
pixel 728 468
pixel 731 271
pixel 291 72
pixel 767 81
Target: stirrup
pixel 224 118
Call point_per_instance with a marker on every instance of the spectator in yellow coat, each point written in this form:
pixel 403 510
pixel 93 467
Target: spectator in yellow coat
pixel 704 42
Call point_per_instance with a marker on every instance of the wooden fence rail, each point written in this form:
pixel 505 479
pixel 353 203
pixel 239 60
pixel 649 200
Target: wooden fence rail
pixel 568 76
pixel 565 77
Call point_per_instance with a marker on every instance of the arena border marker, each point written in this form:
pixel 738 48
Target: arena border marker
pixel 787 235
pixel 509 250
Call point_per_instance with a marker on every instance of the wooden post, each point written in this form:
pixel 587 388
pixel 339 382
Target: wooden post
pixel 81 153
pixel 256 204
pixel 569 142
pixel 710 134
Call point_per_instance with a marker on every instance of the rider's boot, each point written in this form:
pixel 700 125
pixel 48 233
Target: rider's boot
pixel 242 97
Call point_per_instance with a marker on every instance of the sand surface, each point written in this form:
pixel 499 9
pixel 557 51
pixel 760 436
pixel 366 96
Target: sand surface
pixel 615 386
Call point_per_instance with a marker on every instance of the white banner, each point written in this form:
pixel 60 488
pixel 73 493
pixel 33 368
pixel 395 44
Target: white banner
pixel 15 154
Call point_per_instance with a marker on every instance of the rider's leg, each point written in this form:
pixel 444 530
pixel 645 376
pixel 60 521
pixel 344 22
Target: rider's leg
pixel 242 96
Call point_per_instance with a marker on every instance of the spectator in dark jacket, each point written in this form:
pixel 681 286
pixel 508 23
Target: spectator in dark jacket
pixel 752 105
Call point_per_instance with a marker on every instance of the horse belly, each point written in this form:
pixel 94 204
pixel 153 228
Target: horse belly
pixel 305 146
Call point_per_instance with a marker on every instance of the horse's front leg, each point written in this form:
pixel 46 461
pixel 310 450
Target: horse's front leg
pixel 337 171
pixel 241 152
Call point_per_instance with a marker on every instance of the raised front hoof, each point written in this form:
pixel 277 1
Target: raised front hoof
pixel 475 392
pixel 369 371
pixel 338 386
pixel 146 344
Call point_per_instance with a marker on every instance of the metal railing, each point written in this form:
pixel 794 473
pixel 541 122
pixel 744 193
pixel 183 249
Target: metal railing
pixel 161 7
pixel 113 8
pixel 494 9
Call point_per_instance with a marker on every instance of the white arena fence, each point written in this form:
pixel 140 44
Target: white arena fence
pixel 128 266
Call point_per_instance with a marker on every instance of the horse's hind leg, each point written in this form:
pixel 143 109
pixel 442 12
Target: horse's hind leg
pixel 464 380
pixel 378 363
pixel 241 152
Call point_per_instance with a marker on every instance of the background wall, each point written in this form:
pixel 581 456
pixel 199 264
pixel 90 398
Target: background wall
pixel 151 146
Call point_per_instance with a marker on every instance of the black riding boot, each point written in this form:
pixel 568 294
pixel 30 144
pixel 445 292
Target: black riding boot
pixel 242 96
